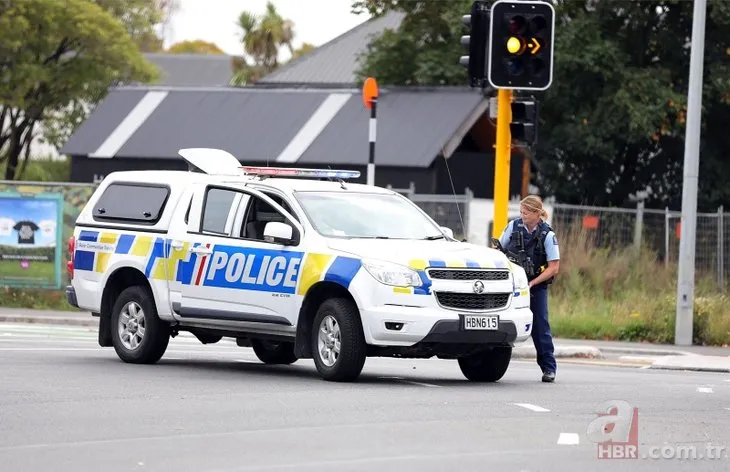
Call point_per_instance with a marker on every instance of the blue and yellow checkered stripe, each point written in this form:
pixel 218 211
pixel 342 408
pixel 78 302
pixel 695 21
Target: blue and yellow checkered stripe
pixel 180 264
pixel 125 244
pixel 420 266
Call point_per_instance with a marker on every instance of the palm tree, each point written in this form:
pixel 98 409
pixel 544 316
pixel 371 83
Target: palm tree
pixel 262 38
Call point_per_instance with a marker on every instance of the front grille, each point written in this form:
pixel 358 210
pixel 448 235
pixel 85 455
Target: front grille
pixel 474 274
pixel 472 301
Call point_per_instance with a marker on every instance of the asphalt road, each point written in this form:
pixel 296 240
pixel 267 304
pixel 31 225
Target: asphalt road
pixel 68 405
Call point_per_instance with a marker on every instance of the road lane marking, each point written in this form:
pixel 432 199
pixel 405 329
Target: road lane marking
pixel 569 439
pixel 704 389
pixel 532 407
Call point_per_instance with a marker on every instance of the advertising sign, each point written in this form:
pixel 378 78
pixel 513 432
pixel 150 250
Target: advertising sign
pixel 30 240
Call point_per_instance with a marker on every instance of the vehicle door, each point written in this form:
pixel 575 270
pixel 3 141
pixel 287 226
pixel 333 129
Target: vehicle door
pixel 234 273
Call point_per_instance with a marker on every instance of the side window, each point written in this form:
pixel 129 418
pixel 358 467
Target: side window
pixel 281 202
pixel 259 213
pixel 217 205
pixel 138 203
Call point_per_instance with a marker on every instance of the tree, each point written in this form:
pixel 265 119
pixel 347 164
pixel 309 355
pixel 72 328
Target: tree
pixel 423 51
pixel 140 18
pixel 305 48
pixel 49 76
pixel 613 121
pixel 263 37
pixel 197 46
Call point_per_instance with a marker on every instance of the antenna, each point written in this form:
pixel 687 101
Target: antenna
pixel 453 190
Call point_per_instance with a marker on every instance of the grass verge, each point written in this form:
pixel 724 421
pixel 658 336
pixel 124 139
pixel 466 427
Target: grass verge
pixel 37 299
pixel 628 295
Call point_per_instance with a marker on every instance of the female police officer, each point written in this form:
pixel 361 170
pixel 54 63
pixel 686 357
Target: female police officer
pixel 532 234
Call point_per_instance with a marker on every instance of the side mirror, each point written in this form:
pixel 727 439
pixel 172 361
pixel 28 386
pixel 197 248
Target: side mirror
pixel 448 231
pixel 496 244
pixel 278 232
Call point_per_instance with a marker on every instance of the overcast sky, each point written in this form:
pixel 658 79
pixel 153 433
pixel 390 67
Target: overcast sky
pixel 315 21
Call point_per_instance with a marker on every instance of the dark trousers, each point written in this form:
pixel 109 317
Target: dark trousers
pixel 541 335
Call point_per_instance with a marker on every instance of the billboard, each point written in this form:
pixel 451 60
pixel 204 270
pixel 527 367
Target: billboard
pixel 30 240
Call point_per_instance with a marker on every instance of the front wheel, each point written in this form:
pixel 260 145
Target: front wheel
pixel 338 343
pixel 272 352
pixel 139 336
pixel 486 366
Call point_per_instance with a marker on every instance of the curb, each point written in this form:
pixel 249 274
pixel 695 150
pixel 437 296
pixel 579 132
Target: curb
pixel 697 363
pixel 561 352
pixel 646 351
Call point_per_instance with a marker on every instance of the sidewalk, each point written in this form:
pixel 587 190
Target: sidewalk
pixel 654 356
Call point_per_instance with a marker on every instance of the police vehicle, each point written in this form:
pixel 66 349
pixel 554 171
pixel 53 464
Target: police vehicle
pixel 294 263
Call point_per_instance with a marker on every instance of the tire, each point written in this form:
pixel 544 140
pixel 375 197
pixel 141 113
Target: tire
pixel 342 315
pixel 272 352
pixel 152 343
pixel 487 366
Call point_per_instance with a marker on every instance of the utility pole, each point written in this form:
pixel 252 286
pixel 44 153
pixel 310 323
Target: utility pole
pixel 683 332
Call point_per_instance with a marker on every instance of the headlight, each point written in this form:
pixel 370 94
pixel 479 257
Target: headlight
pixel 392 274
pixel 520 277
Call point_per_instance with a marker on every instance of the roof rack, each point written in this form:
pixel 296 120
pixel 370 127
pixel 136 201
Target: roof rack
pixel 299 172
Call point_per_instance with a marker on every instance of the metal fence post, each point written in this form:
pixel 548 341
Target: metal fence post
pixel 720 248
pixel 666 236
pixel 467 210
pixel 639 223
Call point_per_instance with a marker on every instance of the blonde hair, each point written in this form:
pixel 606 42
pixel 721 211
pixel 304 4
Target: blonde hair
pixel 533 203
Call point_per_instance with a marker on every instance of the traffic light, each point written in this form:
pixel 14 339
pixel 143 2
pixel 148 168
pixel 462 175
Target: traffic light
pixel 476 42
pixel 525 120
pixel 521 45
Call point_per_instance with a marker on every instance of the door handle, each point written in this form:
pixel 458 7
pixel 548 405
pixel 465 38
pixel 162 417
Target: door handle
pixel 202 250
pixel 177 245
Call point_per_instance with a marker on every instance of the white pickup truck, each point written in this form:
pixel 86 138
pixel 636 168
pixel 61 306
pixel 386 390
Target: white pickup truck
pixel 294 263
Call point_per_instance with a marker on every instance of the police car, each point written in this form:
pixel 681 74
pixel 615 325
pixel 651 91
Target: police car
pixel 294 263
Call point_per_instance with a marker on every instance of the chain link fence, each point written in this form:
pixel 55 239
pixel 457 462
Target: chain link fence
pixel 657 230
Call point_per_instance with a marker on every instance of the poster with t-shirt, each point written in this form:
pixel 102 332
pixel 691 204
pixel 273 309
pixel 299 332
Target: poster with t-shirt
pixel 30 240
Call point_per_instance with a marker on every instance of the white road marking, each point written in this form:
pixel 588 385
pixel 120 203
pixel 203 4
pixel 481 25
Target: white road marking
pixel 704 389
pixel 569 439
pixel 423 384
pixel 532 407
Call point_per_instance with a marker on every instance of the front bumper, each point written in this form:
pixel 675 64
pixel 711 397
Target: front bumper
pixel 392 325
pixel 71 296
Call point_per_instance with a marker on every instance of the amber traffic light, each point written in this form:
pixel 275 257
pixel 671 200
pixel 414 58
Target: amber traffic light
pixel 521 45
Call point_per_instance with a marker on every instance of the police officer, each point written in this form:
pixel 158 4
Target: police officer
pixel 541 246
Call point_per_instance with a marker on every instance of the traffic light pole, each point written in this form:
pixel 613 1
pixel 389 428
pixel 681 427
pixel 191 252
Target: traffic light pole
pixel 503 150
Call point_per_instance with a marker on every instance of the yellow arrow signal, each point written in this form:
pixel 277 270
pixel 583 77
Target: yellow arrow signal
pixel 534 46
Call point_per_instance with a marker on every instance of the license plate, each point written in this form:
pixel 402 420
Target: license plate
pixel 481 322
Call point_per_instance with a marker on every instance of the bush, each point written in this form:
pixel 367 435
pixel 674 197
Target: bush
pixel 625 294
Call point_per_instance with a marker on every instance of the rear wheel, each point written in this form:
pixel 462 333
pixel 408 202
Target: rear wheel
pixel 138 334
pixel 273 352
pixel 338 343
pixel 487 366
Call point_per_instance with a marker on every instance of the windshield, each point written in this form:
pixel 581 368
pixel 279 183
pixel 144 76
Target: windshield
pixel 366 215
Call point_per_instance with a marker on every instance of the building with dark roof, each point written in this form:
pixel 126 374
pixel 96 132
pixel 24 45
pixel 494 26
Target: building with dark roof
pixel 144 127
pixel 192 70
pixel 307 113
pixel 335 62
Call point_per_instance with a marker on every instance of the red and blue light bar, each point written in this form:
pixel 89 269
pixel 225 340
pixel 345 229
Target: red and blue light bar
pixel 298 172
